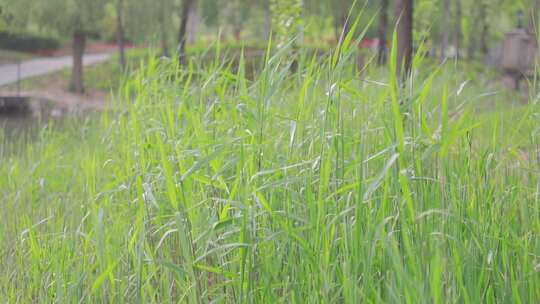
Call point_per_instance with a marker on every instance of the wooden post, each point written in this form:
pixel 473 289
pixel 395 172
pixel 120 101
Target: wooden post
pixel 18 78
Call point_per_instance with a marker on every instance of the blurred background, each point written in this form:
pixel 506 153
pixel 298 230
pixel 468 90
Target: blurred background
pixel 75 52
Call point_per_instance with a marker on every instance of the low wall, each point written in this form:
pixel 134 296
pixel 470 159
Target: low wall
pixel 15 106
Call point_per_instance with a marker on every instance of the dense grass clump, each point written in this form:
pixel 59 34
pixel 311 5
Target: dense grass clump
pixel 320 183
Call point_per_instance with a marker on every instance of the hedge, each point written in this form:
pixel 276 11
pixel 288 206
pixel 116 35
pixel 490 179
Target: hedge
pixel 27 41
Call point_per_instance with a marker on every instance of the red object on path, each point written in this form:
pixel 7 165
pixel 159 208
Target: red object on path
pixel 369 44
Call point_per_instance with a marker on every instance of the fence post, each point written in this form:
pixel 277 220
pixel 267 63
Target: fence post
pixel 18 78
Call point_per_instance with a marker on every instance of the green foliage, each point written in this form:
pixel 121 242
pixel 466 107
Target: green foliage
pixel 146 19
pixel 286 19
pixel 62 16
pixel 27 41
pixel 425 12
pixel 210 12
pixel 318 186
pixel 107 24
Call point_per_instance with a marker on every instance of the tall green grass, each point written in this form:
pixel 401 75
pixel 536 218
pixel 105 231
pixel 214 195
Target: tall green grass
pixel 327 184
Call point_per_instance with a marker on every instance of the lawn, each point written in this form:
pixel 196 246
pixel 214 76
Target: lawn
pixel 108 76
pixel 13 57
pixel 314 184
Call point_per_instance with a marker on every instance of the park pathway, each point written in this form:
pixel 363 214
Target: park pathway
pixel 43 66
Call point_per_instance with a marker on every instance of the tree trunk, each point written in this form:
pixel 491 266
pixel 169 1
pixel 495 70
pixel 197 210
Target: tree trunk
pixel 485 30
pixel 342 24
pixel 120 39
pixel 533 17
pixel 457 32
pixel 337 26
pixel 335 21
pixel 404 27
pixel 163 29
pixel 192 26
pixel 237 17
pixel 445 28
pixel 471 46
pixel 182 37
pixel 267 20
pixel 383 28
pixel 77 81
pixel 237 33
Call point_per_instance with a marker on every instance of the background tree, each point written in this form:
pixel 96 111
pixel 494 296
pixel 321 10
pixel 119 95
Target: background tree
pixel 286 19
pixel 342 24
pixel 473 32
pixel 533 7
pixel 404 29
pixel 457 27
pixel 182 32
pixel 426 31
pixel 120 36
pixel 76 18
pixel 238 14
pixel 4 20
pixel 383 29
pixel 210 13
pixel 163 8
pixel 445 28
pixel 485 27
pixel 267 19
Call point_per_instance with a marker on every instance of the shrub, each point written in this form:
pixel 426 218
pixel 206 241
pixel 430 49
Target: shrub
pixel 27 41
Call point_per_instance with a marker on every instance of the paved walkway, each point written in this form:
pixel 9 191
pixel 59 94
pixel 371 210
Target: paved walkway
pixel 43 66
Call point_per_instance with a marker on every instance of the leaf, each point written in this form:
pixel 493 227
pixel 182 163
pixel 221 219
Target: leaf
pixel 102 277
pixel 377 182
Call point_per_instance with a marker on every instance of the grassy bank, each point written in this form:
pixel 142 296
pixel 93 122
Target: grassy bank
pixel 7 57
pixel 318 184
pixel 108 76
